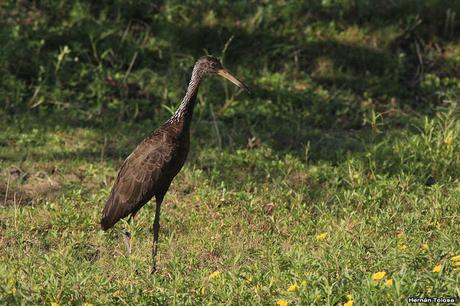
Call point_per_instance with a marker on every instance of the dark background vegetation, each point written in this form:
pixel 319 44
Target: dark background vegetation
pixel 323 64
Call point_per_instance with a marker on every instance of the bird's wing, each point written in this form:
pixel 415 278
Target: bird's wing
pixel 136 182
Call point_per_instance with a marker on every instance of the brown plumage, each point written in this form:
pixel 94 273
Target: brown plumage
pixel 150 168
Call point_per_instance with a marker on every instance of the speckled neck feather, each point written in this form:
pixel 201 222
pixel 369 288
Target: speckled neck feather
pixel 185 109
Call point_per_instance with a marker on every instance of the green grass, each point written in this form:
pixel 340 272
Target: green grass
pixel 251 214
pixel 343 162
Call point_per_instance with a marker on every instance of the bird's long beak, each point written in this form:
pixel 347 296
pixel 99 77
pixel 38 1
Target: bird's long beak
pixel 226 74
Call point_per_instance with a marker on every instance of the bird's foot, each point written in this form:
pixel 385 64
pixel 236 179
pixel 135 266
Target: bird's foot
pixel 127 241
pixel 153 269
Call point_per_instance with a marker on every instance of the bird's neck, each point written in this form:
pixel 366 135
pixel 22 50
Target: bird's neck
pixel 184 112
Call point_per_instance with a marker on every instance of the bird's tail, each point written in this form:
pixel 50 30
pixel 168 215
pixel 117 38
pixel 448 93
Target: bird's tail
pixel 109 214
pixel 106 223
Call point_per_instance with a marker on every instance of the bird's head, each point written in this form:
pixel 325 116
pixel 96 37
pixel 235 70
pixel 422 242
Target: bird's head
pixel 210 64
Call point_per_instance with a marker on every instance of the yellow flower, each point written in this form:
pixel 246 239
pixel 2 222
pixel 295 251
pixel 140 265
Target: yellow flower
pixel 455 258
pixel 378 275
pixel 389 282
pixel 448 141
pixel 455 263
pixel 321 237
pixel 282 303
pixel 437 268
pixel 425 247
pixel 202 291
pixel 214 274
pixel 403 247
pixel 54 304
pixel 293 287
pixel 350 296
pixel 349 303
pixel 303 283
pixel 89 304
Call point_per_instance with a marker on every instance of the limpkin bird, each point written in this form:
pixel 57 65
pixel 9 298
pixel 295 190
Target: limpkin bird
pixel 149 170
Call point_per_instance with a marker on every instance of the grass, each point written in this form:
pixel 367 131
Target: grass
pixel 253 214
pixel 343 162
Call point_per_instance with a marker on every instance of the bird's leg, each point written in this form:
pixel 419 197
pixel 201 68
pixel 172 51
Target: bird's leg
pixel 156 229
pixel 127 240
pixel 127 235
